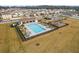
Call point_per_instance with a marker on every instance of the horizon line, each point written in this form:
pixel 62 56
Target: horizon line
pixel 36 5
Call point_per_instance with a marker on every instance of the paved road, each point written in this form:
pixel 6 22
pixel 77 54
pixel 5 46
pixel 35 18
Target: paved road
pixel 8 21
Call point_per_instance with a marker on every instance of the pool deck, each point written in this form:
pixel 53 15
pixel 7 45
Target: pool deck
pixel 35 34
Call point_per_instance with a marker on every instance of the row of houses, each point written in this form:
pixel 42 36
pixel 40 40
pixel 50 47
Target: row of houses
pixel 37 13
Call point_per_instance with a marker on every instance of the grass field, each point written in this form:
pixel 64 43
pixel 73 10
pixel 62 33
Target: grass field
pixel 65 39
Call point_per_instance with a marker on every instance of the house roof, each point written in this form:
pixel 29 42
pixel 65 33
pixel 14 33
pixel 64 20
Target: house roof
pixel 24 19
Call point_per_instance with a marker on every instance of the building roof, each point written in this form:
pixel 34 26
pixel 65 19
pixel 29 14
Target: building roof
pixel 24 19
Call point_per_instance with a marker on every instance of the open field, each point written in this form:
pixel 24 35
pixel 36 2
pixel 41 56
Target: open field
pixel 9 41
pixel 65 39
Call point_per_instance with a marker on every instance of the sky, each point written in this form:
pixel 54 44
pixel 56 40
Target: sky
pixel 38 2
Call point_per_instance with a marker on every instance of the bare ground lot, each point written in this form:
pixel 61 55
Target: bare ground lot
pixel 65 39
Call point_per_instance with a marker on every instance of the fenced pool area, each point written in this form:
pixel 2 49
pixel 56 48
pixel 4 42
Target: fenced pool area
pixel 36 29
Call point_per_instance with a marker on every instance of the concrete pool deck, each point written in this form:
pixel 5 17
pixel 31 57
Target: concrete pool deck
pixel 33 33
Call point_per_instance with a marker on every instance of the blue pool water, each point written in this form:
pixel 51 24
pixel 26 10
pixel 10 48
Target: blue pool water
pixel 35 27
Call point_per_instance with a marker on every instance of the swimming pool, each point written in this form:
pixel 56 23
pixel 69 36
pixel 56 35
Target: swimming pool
pixel 35 27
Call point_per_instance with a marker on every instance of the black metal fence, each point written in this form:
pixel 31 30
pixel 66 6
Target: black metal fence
pixel 20 33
